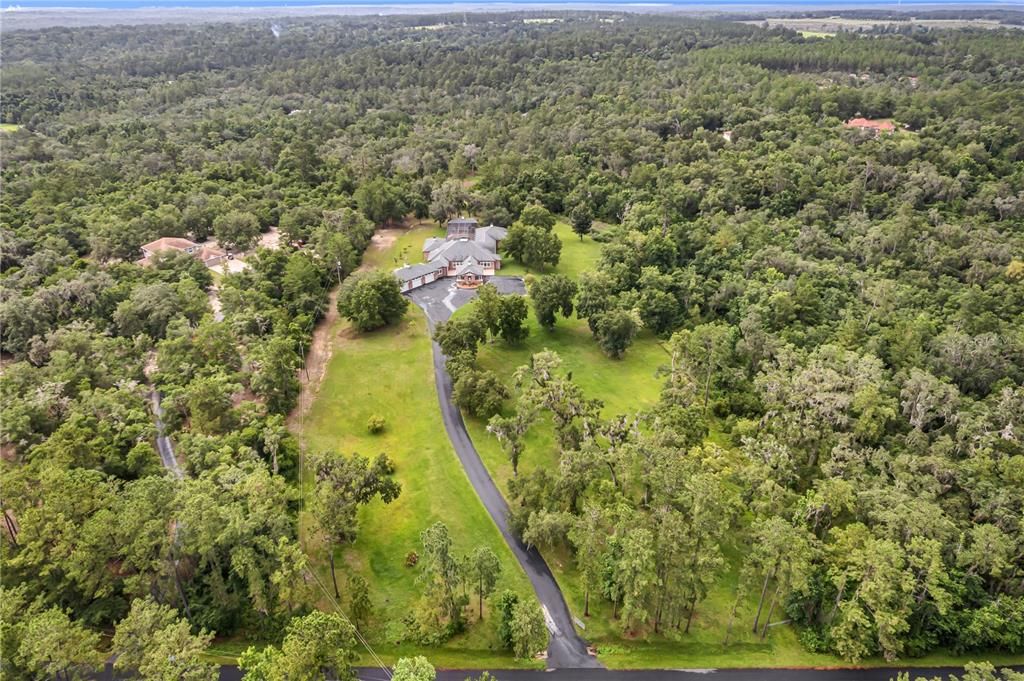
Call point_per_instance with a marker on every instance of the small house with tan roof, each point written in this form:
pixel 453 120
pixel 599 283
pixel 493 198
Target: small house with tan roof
pixel 208 255
pixel 876 127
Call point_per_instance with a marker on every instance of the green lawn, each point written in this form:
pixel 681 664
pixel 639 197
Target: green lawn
pixel 623 385
pixel 227 651
pixel 671 655
pixel 407 249
pixel 9 127
pixel 576 257
pixel 627 385
pixel 389 372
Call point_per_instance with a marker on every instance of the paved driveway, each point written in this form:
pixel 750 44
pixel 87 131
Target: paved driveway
pixel 566 649
pixel 439 299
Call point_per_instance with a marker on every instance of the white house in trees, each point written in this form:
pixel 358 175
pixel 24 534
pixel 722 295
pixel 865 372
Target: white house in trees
pixel 468 252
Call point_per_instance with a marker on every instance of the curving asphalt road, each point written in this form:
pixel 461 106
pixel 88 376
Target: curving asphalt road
pixel 233 673
pixel 163 443
pixel 566 649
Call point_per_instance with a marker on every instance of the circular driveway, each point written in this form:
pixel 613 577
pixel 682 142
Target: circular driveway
pixel 439 299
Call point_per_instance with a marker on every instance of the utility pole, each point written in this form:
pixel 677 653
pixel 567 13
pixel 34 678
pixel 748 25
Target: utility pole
pixel 302 351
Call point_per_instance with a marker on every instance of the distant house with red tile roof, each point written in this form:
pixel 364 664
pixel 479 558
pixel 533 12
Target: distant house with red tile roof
pixel 877 126
pixel 208 255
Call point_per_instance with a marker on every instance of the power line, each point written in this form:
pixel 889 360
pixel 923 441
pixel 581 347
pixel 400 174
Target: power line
pixel 325 298
pixel 359 636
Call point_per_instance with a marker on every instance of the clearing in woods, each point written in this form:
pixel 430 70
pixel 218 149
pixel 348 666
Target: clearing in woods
pixel 326 331
pixel 389 373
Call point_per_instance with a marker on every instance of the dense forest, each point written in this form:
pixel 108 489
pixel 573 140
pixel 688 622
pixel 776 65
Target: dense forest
pixel 846 309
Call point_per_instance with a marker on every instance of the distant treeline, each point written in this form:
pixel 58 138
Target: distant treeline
pixel 1011 17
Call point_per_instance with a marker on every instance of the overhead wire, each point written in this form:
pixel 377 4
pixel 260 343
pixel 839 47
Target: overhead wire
pixel 323 299
pixel 366 644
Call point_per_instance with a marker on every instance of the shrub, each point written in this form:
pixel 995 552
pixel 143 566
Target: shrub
pixel 814 641
pixel 505 603
pixel 396 631
pixel 411 559
pixel 376 424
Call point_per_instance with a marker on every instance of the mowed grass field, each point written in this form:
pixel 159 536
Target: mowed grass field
pixel 405 250
pixel 624 386
pixel 389 373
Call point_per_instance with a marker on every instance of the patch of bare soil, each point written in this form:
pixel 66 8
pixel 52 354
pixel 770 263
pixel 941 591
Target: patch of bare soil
pixel 383 239
pixel 245 395
pixel 324 334
pixel 317 358
pixel 6 359
pixel 8 452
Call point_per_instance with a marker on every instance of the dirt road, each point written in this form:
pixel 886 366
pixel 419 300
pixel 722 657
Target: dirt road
pixel 325 334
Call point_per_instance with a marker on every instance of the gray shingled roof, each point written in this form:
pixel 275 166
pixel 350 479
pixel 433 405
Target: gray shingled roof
pixel 471 266
pixel 492 232
pixel 410 272
pixel 461 249
pixel 432 242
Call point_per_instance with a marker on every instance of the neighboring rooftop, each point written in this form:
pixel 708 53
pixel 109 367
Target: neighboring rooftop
pixel 167 243
pixel 204 253
pixel 879 125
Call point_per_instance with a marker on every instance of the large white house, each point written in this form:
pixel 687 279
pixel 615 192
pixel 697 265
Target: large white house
pixel 468 252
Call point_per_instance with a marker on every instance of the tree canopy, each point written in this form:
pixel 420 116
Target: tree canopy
pixel 841 311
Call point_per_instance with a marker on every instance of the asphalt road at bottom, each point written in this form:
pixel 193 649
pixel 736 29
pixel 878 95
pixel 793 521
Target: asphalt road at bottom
pixel 231 673
pixel 566 649
pixel 883 674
